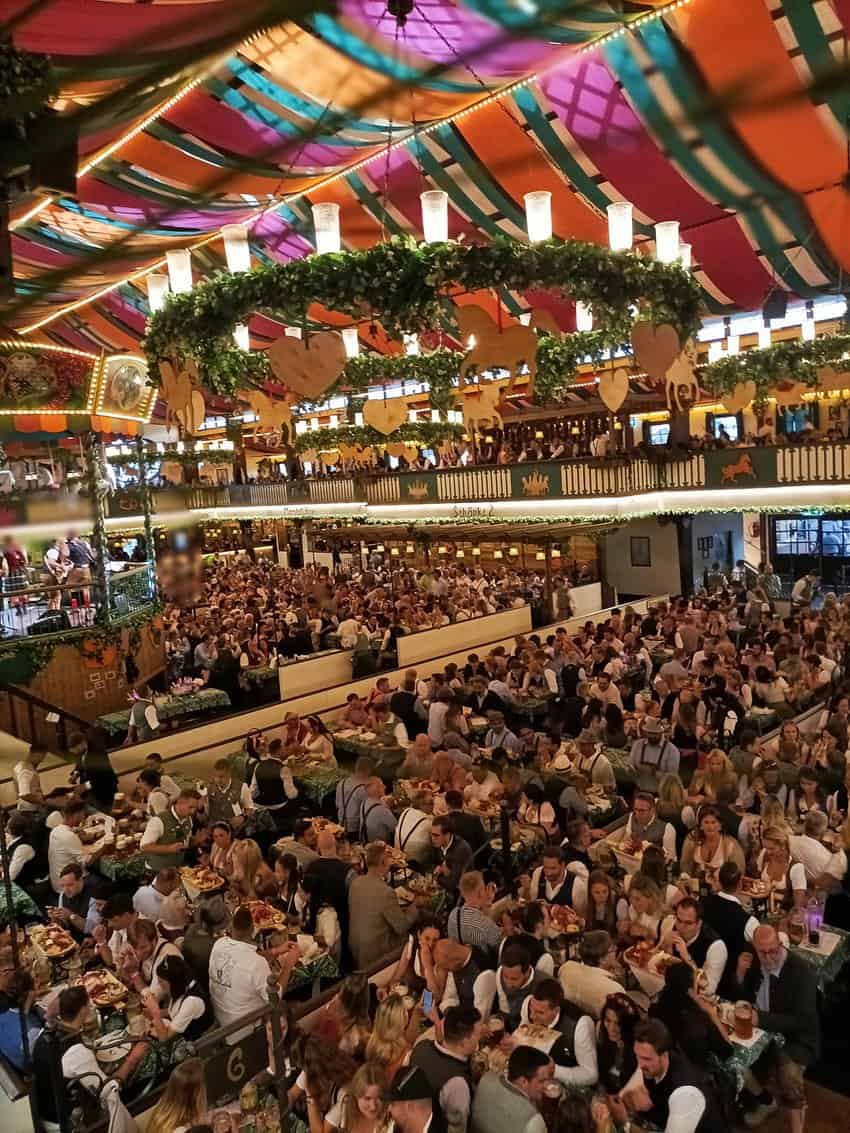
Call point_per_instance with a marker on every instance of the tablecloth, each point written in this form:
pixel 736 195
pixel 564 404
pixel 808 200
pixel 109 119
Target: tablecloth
pixel 827 966
pixel 130 868
pixel 318 782
pixel 303 975
pixel 23 904
pixel 169 708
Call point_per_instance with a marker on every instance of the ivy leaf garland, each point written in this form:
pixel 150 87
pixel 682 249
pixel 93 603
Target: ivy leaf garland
pixel 403 285
pixel 426 434
pixel 797 360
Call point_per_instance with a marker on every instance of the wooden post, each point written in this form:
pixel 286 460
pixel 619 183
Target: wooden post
pixel 98 487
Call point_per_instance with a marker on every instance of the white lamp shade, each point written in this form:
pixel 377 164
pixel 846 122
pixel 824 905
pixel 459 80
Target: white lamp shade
pixel 765 337
pixel 715 351
pixel 358 420
pixel 157 291
pixel 620 226
pixel 351 341
pixel 301 427
pixel 314 423
pixel 584 316
pixel 334 421
pixel 538 216
pixel 686 256
pixel 293 332
pixel 326 224
pixel 180 270
pixel 435 416
pixel 411 343
pixel 435 215
pixel 525 318
pixel 242 336
pixel 236 249
pixel 412 416
pixel 808 329
pixel 733 344
pixel 667 241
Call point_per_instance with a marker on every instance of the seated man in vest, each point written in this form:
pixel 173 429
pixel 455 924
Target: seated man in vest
pixel 516 979
pixel 644 825
pixel 452 856
pixel 26 867
pixel 572 1046
pixel 510 1102
pixel 554 880
pixel 653 756
pixel 684 934
pixel 76 893
pixel 377 821
pixel 666 1090
pixel 586 983
pixel 446 1065
pixel 168 836
pixel 724 913
pixel 227 799
pixel 469 976
pixel 149 789
pixel 595 765
pixel 410 1103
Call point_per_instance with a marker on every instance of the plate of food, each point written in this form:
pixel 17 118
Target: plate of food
pixel 496 844
pixel 320 823
pixel 565 919
pixel 536 1035
pixel 661 961
pixel 424 785
pixel 755 886
pixel 201 877
pixel 105 989
pixel 265 916
pixel 395 858
pixel 52 940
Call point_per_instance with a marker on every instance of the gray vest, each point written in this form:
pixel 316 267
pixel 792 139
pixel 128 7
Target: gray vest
pixel 174 830
pixel 499 1107
pixel 220 803
pixel 137 718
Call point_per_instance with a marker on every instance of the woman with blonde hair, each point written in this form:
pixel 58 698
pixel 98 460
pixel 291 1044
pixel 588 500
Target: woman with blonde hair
pixel 787 879
pixel 639 916
pixel 361 1107
pixel 184 1102
pixel 393 1032
pixel 251 877
pixel 705 783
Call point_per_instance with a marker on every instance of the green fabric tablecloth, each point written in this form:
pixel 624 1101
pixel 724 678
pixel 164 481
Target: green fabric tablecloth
pixel 318 782
pixel 257 675
pixel 303 975
pixel 24 905
pixel 122 869
pixel 169 708
pixel 386 753
pixel 827 967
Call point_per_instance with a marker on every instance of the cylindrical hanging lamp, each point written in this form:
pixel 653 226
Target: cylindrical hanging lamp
pixel 538 216
pixel 667 241
pixel 179 270
pixel 435 215
pixel 620 226
pixel 237 251
pixel 351 341
pixel 326 224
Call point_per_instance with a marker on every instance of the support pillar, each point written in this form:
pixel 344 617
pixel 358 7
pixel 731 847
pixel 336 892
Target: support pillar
pixel 686 553
pixel 98 488
pixel 145 494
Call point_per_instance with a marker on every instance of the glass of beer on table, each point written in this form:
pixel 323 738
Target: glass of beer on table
pixel 742 1020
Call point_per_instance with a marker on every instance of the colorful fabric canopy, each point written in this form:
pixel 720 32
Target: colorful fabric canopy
pixel 700 116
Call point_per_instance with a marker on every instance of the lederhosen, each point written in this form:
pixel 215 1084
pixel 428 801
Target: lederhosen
pixel 645 763
pixel 364 821
pixel 346 799
pixel 403 839
pixel 203 1023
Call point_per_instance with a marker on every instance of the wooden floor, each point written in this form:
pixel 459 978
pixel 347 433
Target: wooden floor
pixel 828 1112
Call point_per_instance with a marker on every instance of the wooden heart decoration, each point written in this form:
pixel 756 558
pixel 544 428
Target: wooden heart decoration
pixel 308 367
pixel 329 456
pixel 356 452
pixel 396 448
pixel 184 402
pixel 385 416
pixel 789 395
pixel 655 348
pixel 740 397
pixel 614 388
pixel 830 379
pixel 310 456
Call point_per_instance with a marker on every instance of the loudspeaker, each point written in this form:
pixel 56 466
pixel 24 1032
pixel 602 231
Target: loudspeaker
pixel 775 305
pixel 54 621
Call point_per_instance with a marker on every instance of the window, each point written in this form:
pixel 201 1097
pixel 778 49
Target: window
pixel 658 434
pixel 835 534
pixel 797 536
pixel 640 550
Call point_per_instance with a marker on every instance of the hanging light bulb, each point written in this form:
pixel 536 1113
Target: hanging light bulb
pixel 808 329
pixel 620 226
pixel 584 316
pixel 765 337
pixel 435 215
pixel 685 256
pixel 411 343
pixel 242 336
pixel 237 251
pixel 179 270
pixel 351 341
pixel 538 216
pixel 667 241
pixel 525 318
pixel 157 290
pixel 326 224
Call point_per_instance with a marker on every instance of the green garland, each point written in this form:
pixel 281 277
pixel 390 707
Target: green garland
pixel 794 361
pixel 403 285
pixel 439 369
pixel 423 433
pixel 187 457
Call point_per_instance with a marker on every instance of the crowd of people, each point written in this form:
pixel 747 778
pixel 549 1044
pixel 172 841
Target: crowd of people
pixel 522 915
pixel 251 613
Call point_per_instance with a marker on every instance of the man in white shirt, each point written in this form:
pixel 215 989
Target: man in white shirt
pixel 592 763
pixel 683 934
pixel 663 1087
pixel 168 835
pixel 413 830
pixel 437 716
pixel 149 785
pixel 822 866
pixel 148 899
pixel 65 846
pixel 604 690
pixel 585 983
pixel 28 783
pixel 574 1049
pixel 239 976
pixel 499 734
pixel 21 852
